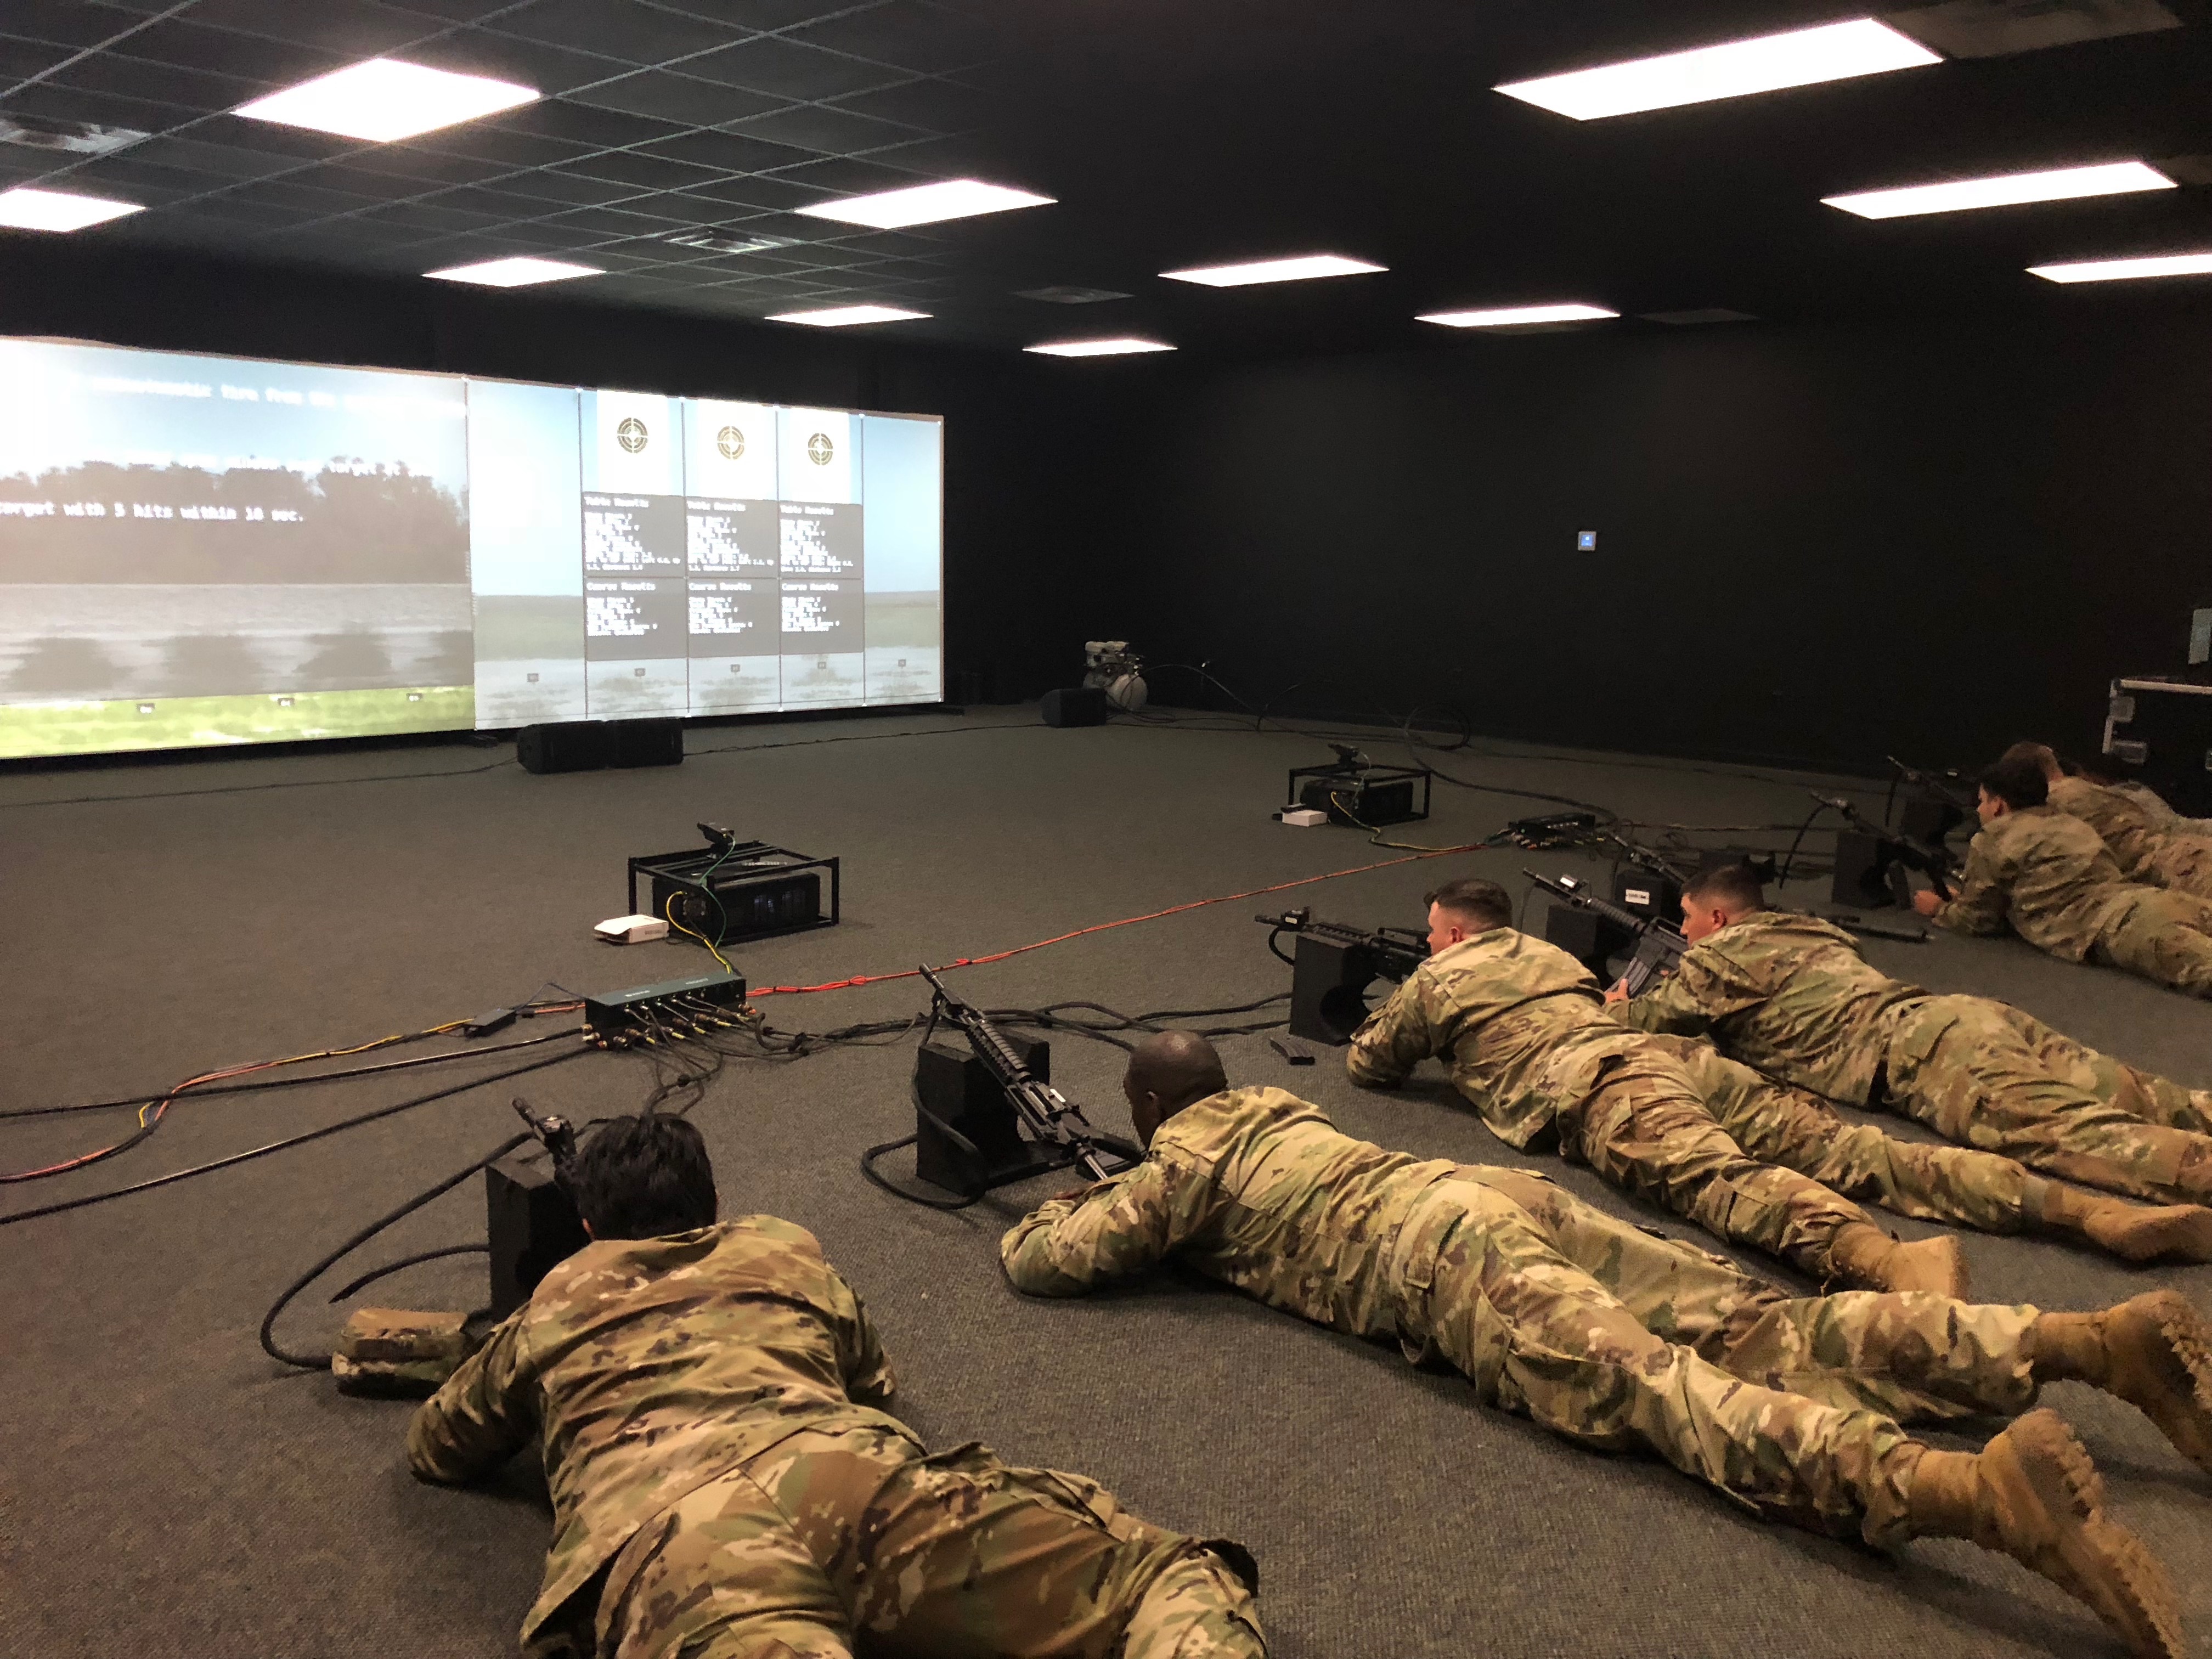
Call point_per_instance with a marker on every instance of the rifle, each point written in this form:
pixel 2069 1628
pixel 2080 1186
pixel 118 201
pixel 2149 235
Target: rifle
pixel 1659 943
pixel 554 1133
pixel 1943 786
pixel 1394 952
pixel 1052 1120
pixel 1935 863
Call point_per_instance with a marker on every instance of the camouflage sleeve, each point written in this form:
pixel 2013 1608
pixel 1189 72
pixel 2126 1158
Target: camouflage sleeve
pixel 1671 1005
pixel 869 1379
pixel 1394 1038
pixel 486 1412
pixel 1983 891
pixel 1116 1229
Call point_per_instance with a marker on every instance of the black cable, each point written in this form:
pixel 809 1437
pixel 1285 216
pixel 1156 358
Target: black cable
pixel 322 1362
pixel 868 1169
pixel 285 1144
pixel 416 1260
pixel 1782 876
pixel 290 1082
pixel 250 789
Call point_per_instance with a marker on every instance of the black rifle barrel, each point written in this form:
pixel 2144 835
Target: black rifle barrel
pixel 1612 912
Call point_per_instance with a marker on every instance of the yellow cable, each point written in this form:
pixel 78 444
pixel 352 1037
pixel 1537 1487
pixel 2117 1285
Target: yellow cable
pixel 670 908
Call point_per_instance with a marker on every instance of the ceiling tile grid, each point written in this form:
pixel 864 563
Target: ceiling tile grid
pixel 676 139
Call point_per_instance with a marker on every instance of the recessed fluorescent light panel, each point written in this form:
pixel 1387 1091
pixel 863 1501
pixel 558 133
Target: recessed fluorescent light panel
pixel 25 209
pixel 1802 57
pixel 1098 348
pixel 926 204
pixel 384 98
pixel 518 272
pixel 847 316
pixel 2112 270
pixel 2062 184
pixel 1298 270
pixel 1518 316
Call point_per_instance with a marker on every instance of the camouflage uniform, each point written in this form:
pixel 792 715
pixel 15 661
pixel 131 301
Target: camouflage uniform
pixel 1801 1132
pixel 1521 1026
pixel 1598 1330
pixel 2163 818
pixel 2144 850
pixel 2051 877
pixel 1790 996
pixel 722 1482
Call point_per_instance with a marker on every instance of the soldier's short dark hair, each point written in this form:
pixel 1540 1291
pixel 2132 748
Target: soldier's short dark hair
pixel 1477 900
pixel 2015 781
pixel 1731 886
pixel 643 1178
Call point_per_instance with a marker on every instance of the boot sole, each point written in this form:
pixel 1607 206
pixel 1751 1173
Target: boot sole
pixel 2098 1559
pixel 2188 1334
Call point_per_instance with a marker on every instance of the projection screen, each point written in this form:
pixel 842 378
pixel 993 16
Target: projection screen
pixel 199 550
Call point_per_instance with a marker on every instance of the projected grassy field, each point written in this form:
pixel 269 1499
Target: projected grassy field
pixel 29 729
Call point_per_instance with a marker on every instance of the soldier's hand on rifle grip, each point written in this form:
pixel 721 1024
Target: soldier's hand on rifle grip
pixel 1927 902
pixel 1617 992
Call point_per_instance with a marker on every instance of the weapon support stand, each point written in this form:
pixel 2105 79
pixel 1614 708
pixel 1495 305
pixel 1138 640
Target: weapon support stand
pixel 967 1137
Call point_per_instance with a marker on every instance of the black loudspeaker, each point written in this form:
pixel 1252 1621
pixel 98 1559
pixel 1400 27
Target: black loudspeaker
pixel 647 742
pixel 531 1223
pixel 590 745
pixel 1075 705
pixel 1328 989
pixel 572 746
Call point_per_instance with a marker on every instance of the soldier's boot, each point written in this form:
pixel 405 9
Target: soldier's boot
pixel 1865 1255
pixel 2133 1232
pixel 2033 1494
pixel 2155 1352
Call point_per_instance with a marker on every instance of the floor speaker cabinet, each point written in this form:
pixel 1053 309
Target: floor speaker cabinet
pixel 1864 878
pixel 593 745
pixel 1075 705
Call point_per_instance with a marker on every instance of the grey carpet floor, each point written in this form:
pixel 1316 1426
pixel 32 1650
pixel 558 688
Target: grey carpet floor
pixel 168 1491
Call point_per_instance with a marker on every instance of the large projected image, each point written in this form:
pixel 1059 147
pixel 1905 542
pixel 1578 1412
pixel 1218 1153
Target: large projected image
pixel 203 550
pixel 197 552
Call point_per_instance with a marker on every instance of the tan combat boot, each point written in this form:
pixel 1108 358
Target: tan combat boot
pixel 2133 1232
pixel 2154 1351
pixel 2033 1494
pixel 1865 1255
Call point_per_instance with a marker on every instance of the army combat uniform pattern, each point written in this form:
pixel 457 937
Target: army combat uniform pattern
pixel 724 1488
pixel 2162 817
pixel 1521 1028
pixel 1553 1308
pixel 1791 997
pixel 2146 851
pixel 2050 876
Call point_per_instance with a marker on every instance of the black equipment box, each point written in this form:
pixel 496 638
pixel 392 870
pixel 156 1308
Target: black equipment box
pixel 1075 705
pixel 1867 875
pixel 531 1223
pixel 748 890
pixel 621 1013
pixel 2162 730
pixel 1329 987
pixel 1593 940
pixel 954 1090
pixel 1649 893
pixel 593 745
pixel 1365 797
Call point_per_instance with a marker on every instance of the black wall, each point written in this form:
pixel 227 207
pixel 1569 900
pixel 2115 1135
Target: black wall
pixel 1925 538
pixel 1016 427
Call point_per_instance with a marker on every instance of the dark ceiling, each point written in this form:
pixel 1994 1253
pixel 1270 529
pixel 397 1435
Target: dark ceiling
pixel 1172 134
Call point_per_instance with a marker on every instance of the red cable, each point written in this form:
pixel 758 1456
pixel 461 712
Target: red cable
pixel 1103 927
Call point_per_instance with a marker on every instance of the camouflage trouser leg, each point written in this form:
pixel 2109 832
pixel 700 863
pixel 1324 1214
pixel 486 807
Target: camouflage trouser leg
pixel 1799 1131
pixel 830 1541
pixel 2184 863
pixel 1913 1358
pixel 1644 1130
pixel 2139 1094
pixel 2163 936
pixel 1538 1335
pixel 1959 1066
